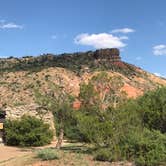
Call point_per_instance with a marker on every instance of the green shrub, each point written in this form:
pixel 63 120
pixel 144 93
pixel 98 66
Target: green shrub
pixel 146 148
pixel 153 109
pixel 71 130
pixel 106 128
pixel 94 130
pixel 118 134
pixel 106 154
pixel 28 131
pixel 47 154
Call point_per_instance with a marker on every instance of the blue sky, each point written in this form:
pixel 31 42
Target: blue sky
pixel 137 27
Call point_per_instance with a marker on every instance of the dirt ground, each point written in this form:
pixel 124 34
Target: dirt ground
pixel 11 153
pixel 69 155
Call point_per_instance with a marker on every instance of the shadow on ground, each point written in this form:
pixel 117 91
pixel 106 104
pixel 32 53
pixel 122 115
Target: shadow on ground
pixel 78 148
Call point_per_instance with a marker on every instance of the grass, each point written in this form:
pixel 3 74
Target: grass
pixel 47 154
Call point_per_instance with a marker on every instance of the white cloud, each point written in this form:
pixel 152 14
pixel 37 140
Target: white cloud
pixel 123 30
pixel 100 40
pixel 159 49
pixel 9 25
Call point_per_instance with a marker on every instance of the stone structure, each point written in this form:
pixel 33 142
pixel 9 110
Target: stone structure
pixel 32 110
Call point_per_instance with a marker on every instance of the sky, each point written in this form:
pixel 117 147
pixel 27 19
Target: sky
pixel 136 27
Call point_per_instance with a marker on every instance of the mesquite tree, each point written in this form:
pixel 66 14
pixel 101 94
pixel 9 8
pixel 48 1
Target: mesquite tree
pixel 59 102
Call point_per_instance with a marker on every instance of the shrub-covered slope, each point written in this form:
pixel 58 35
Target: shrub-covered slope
pixel 19 77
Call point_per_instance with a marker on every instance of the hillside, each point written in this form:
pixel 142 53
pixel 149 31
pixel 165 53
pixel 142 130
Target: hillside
pixel 19 77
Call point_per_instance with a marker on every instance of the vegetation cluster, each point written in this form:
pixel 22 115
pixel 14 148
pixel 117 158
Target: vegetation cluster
pixel 117 129
pixel 27 131
pixel 132 130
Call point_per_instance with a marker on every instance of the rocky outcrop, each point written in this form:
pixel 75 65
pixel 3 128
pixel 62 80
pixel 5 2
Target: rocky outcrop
pixel 112 54
pixel 62 60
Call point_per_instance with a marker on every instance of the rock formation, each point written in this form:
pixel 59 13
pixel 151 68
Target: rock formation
pixel 112 54
pixel 20 77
